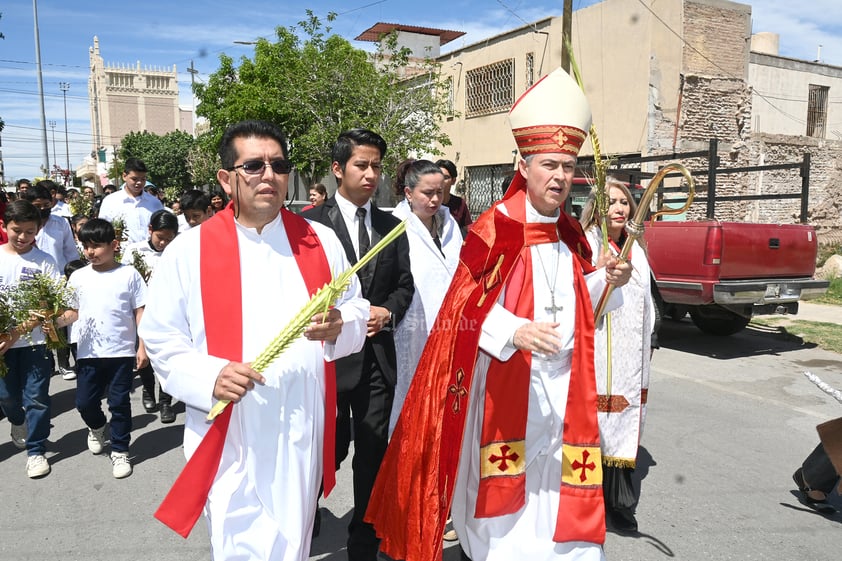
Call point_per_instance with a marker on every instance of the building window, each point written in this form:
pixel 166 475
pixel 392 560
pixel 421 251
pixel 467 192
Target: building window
pixel 530 69
pixel 120 80
pixel 817 111
pixel 451 96
pixel 489 89
pixel 483 185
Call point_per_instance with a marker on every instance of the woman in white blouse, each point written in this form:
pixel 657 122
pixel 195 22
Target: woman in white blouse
pixel 434 245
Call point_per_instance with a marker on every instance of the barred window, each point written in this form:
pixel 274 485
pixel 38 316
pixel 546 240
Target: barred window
pixel 486 184
pixel 451 96
pixel 489 89
pixel 530 69
pixel 817 111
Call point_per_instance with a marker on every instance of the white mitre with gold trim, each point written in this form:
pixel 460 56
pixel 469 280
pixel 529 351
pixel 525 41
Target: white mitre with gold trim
pixel 551 116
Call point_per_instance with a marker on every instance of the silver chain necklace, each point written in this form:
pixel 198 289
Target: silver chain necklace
pixel 552 308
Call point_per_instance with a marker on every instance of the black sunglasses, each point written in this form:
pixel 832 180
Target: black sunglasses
pixel 254 167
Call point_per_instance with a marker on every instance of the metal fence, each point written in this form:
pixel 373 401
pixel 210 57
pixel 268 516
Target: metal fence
pixel 484 185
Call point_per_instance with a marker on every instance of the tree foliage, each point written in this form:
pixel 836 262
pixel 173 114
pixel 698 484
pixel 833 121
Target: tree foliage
pixel 165 157
pixel 203 163
pixel 315 85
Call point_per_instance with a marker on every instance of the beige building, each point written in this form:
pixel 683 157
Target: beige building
pixel 130 98
pixel 484 80
pixel 791 96
pixel 662 77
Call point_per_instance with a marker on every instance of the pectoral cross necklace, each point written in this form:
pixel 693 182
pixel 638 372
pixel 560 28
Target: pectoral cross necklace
pixel 552 308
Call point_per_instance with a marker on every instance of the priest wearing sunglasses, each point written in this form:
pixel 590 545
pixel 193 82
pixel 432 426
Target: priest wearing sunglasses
pixel 221 293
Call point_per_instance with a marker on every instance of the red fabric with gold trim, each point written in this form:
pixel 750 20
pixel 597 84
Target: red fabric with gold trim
pixel 414 488
pixel 502 488
pixel 581 499
pixel 220 282
pixel 549 138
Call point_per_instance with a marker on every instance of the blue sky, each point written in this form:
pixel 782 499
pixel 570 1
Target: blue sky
pixel 159 33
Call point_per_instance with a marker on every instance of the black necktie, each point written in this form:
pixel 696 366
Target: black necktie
pixel 364 241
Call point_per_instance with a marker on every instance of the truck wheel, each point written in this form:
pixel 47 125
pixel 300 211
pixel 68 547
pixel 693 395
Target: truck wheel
pixel 716 320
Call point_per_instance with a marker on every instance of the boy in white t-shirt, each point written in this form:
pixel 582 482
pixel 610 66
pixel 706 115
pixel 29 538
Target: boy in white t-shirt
pixel 56 239
pixel 195 209
pixel 111 298
pixel 163 228
pixel 25 389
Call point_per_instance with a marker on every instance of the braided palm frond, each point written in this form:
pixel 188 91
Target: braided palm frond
pixel 320 302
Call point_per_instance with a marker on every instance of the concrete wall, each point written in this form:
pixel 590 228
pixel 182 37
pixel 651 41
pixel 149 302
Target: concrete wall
pixel 487 139
pixel 612 42
pixel 421 45
pixel 668 82
pixel 780 94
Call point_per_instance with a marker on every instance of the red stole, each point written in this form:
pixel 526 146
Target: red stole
pixel 220 282
pixel 414 489
pixel 502 488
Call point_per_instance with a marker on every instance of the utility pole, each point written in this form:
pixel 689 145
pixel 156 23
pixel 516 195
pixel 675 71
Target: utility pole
pixel 566 27
pixel 2 169
pixel 192 70
pixel 64 86
pixel 55 158
pixel 41 90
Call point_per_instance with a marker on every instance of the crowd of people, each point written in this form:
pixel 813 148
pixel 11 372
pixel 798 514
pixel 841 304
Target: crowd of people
pixel 463 361
pixel 106 251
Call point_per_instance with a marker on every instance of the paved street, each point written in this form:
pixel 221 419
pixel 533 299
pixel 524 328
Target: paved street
pixel 729 421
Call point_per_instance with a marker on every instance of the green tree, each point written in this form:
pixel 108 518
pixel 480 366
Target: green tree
pixel 315 85
pixel 203 163
pixel 165 157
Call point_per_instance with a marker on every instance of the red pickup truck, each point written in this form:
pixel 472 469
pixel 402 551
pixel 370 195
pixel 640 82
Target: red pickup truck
pixel 723 273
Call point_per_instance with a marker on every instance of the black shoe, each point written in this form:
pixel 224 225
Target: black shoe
pixel 820 505
pixel 149 402
pixel 623 520
pixel 167 414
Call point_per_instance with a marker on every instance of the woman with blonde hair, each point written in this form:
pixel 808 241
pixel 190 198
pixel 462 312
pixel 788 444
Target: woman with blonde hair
pixel 628 342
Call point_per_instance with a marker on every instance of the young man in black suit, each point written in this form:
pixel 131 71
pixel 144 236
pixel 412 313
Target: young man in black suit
pixel 366 380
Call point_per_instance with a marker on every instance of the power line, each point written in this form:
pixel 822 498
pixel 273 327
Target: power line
pixel 360 7
pixel 713 63
pixel 42 64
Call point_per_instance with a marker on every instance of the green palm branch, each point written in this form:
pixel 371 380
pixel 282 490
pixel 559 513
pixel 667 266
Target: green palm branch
pixel 320 302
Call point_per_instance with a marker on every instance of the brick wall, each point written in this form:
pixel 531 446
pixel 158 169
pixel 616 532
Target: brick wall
pixel 716 36
pixel 160 115
pixel 825 205
pixel 716 102
pixel 123 115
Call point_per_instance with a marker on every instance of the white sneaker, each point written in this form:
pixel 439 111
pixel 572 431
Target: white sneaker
pixel 120 465
pixel 19 436
pixel 37 466
pixel 67 373
pixel 96 440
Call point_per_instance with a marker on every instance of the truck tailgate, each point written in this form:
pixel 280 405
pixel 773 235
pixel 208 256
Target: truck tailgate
pixel 767 250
